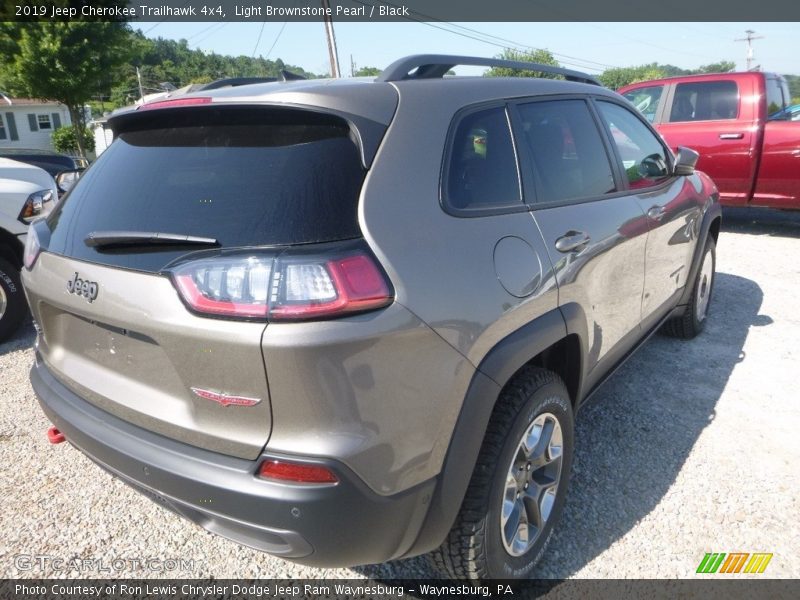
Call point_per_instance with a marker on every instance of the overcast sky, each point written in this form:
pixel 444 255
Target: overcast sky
pixel 591 47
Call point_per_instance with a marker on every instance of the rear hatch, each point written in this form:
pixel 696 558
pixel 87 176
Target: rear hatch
pixel 231 180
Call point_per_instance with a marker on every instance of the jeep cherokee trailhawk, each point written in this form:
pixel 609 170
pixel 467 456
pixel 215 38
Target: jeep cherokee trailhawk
pixel 351 321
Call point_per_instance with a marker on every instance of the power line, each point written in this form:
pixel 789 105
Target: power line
pixel 285 23
pixel 509 44
pixel 220 28
pixel 194 35
pixel 638 41
pixel 149 29
pixel 519 44
pixel 258 41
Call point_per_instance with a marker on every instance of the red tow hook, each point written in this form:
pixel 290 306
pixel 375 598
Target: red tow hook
pixel 55 436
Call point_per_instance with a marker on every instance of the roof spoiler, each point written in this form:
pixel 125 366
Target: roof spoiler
pixel 435 66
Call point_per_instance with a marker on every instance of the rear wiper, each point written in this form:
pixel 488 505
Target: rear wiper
pixel 101 239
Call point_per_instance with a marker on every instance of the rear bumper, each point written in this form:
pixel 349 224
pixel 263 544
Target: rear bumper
pixel 344 524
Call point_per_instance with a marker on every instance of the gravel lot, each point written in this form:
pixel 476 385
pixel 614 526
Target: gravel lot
pixel 690 448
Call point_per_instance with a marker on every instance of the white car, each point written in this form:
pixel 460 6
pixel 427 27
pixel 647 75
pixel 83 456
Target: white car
pixel 26 194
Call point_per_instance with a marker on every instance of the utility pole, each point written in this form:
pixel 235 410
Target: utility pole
pixel 749 39
pixel 352 67
pixel 139 79
pixel 333 53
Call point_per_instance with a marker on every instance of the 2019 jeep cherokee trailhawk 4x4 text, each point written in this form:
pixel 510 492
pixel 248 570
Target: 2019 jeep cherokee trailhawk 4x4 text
pixel 350 321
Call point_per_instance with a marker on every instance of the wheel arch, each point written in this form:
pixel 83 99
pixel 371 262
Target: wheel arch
pixel 709 226
pixel 553 342
pixel 11 248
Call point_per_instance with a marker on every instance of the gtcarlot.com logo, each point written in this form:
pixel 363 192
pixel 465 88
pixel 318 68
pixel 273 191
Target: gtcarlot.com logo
pixel 734 562
pixel 58 564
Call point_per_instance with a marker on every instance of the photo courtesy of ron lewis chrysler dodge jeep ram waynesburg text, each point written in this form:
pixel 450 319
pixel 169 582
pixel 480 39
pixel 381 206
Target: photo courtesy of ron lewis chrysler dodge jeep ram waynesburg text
pixel 357 317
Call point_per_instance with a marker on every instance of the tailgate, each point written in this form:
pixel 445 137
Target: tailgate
pixel 136 352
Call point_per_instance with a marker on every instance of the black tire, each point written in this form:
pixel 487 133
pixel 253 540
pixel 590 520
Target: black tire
pixel 13 297
pixel 474 548
pixel 691 322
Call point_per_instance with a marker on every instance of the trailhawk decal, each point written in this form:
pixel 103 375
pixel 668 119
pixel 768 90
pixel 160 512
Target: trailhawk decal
pixel 225 399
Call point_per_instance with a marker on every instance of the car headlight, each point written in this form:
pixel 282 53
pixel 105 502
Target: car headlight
pixel 37 205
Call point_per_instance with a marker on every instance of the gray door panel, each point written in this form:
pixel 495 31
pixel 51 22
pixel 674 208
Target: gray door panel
pixel 672 215
pixel 605 277
pixel 672 205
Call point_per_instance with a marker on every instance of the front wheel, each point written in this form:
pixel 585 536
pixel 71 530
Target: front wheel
pixel 12 300
pixel 693 319
pixel 519 485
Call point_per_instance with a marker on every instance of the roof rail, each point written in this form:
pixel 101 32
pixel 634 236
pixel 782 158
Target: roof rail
pixel 435 66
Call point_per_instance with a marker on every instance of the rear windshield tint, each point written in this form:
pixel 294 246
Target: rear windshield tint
pixel 244 177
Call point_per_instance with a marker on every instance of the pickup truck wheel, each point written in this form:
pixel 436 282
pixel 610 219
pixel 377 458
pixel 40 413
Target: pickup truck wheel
pixel 519 484
pixel 693 320
pixel 12 300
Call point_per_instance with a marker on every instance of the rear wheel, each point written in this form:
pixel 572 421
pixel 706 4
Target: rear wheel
pixel 12 300
pixel 519 485
pixel 693 319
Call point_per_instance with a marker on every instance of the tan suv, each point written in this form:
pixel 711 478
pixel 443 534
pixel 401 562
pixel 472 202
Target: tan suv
pixel 351 321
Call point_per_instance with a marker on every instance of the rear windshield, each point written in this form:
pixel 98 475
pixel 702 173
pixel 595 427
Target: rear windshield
pixel 245 177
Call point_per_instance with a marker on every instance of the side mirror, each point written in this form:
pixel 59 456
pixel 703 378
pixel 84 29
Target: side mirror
pixel 66 179
pixel 685 161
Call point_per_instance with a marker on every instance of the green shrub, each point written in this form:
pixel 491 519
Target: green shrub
pixel 64 140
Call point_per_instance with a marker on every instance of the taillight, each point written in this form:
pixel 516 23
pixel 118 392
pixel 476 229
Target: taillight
pixel 32 248
pixel 285 285
pixel 296 472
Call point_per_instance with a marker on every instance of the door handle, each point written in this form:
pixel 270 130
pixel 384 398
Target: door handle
pixel 573 241
pixel 656 212
pixel 731 136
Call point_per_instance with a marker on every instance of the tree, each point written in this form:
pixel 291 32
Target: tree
pixel 794 88
pixel 543 57
pixel 68 61
pixel 619 77
pixel 367 72
pixel 723 66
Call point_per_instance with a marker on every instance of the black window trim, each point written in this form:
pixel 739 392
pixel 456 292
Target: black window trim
pixel 532 204
pixel 609 138
pixel 444 172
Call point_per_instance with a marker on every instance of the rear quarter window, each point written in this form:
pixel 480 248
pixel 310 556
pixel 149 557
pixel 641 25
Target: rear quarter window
pixel 481 167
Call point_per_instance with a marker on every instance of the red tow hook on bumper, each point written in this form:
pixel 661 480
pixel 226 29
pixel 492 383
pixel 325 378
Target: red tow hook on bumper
pixel 55 436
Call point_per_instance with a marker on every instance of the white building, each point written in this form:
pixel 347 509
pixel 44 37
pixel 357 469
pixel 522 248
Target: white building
pixel 29 123
pixel 103 136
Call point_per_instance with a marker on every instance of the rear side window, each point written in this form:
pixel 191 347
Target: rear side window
pixel 705 101
pixel 569 160
pixel 775 100
pixel 482 167
pixel 646 100
pixel 644 159
pixel 246 177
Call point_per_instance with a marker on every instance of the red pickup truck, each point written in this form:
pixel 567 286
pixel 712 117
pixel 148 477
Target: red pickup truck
pixel 737 122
